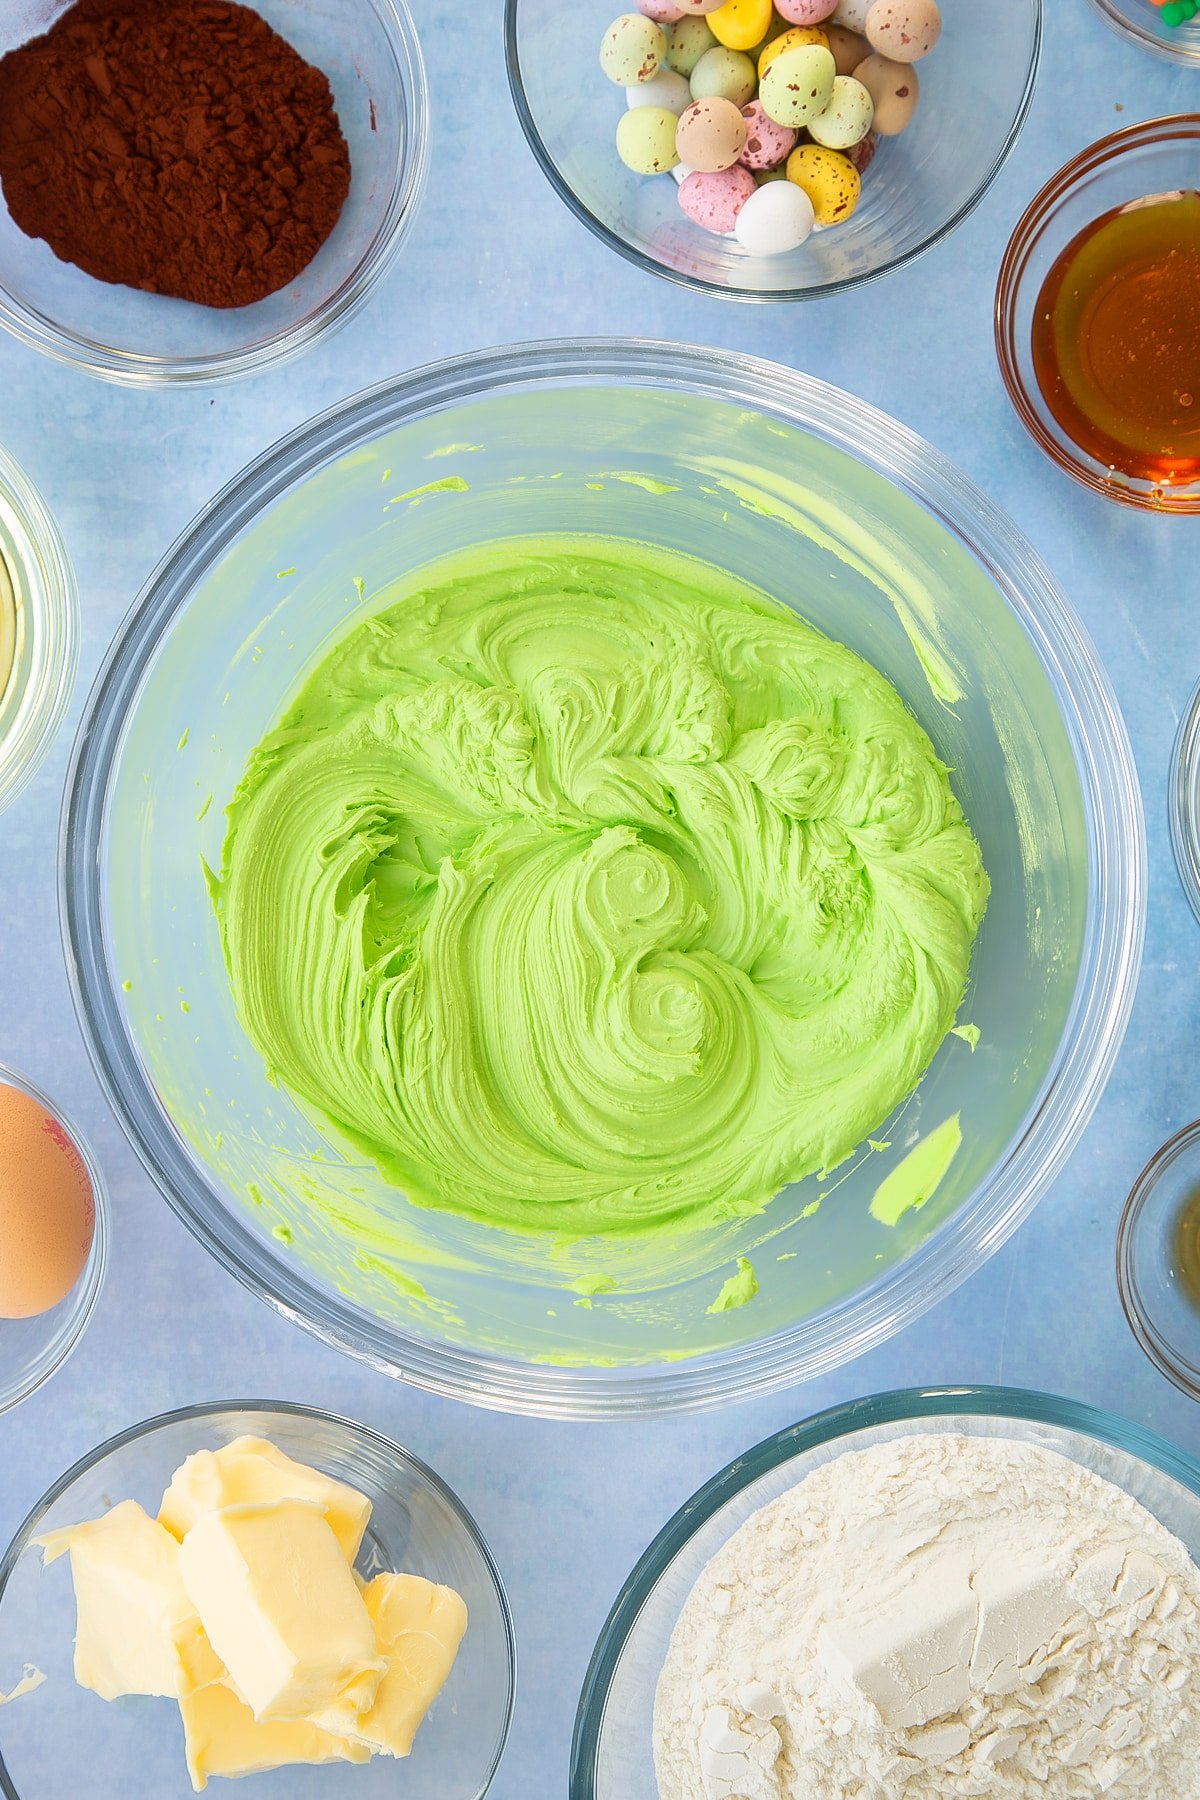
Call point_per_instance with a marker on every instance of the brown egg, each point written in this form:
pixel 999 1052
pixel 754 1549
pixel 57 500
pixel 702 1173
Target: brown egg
pixel 905 30
pixel 848 48
pixel 47 1209
pixel 710 135
pixel 895 90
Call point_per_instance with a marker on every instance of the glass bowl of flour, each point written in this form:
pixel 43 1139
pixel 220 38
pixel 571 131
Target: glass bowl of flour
pixel 975 1591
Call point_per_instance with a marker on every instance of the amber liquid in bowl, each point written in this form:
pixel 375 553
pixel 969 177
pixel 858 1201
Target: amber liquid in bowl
pixel 1187 1247
pixel 1116 339
pixel 8 627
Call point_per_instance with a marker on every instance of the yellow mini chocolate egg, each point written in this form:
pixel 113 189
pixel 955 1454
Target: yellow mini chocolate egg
pixel 741 24
pixel 790 40
pixel 829 179
pixel 47 1209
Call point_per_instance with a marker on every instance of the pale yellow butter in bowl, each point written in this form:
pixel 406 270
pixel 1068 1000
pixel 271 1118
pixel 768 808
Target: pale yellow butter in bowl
pixel 241 1603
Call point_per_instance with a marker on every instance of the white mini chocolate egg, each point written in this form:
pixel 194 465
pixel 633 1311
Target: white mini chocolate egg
pixel 664 89
pixel 777 217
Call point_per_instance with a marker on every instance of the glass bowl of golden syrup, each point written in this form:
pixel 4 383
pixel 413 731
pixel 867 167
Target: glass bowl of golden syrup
pixel 1158 1259
pixel 1184 806
pixel 1169 27
pixel 1098 316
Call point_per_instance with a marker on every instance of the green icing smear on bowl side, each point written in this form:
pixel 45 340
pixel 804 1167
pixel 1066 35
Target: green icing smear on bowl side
pixel 585 889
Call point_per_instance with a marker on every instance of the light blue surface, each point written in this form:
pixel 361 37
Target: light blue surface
pixel 495 257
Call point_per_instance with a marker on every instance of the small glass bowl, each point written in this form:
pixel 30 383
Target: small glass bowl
pixel 53 1739
pixel 45 643
pixel 975 92
pixel 32 1349
pixel 1157 157
pixel 370 52
pixel 1163 1318
pixel 1184 801
pixel 612 1753
pixel 1143 23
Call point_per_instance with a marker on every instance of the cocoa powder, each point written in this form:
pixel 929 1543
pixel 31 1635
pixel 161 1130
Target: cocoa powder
pixel 179 146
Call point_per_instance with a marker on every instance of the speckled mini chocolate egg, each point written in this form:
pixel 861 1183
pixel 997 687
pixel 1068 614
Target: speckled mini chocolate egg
pixel 663 12
pixel 795 38
pixel 847 118
pixel 805 12
pixel 767 144
pixel 741 24
pixel 860 156
pixel 723 74
pixel 852 14
pixel 713 198
pixel 698 6
pixel 894 88
pixel 632 50
pixel 710 135
pixel 798 85
pixel 646 140
pixel 848 48
pixel 829 179
pixel 686 43
pixel 905 30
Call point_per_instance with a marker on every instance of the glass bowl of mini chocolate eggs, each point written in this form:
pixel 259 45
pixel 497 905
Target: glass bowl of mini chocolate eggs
pixel 912 182
pixel 369 52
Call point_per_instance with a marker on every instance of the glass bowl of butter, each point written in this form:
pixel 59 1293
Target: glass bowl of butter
pixel 253 1589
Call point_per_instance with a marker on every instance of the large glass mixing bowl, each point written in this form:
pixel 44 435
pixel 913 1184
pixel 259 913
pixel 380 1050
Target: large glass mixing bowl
pixel 792 485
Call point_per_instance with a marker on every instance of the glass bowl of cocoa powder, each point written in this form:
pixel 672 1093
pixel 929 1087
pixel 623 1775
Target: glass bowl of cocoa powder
pixel 153 236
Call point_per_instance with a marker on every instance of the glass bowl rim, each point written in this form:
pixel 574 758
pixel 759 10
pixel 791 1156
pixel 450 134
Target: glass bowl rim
pixel 1010 284
pixel 133 368
pixel 1143 35
pixel 1184 800
pixel 201 1410
pixel 897 1406
pixel 1113 940
pixel 86 1291
pixel 700 284
pixel 54 595
pixel 1154 1343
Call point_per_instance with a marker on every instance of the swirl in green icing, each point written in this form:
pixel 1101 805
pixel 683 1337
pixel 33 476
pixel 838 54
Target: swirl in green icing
pixel 587 889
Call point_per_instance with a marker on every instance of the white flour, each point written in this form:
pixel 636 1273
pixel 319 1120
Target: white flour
pixel 938 1616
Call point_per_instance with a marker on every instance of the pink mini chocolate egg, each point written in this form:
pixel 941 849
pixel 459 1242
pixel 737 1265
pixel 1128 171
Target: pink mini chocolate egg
pixel 805 12
pixel 695 7
pixel 767 144
pixel 710 135
pixel 905 30
pixel 714 198
pixel 663 12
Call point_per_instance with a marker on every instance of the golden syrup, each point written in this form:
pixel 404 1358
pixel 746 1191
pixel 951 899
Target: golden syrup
pixel 1116 339
pixel 8 627
pixel 1186 1247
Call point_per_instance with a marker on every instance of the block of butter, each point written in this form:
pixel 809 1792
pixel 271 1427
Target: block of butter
pixel 419 1627
pixel 222 1737
pixel 252 1469
pixel 137 1631
pixel 280 1606
pixel 241 1603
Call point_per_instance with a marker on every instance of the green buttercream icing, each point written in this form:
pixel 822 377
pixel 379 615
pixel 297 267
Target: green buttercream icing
pixel 585 889
pixel 917 1176
pixel 738 1290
